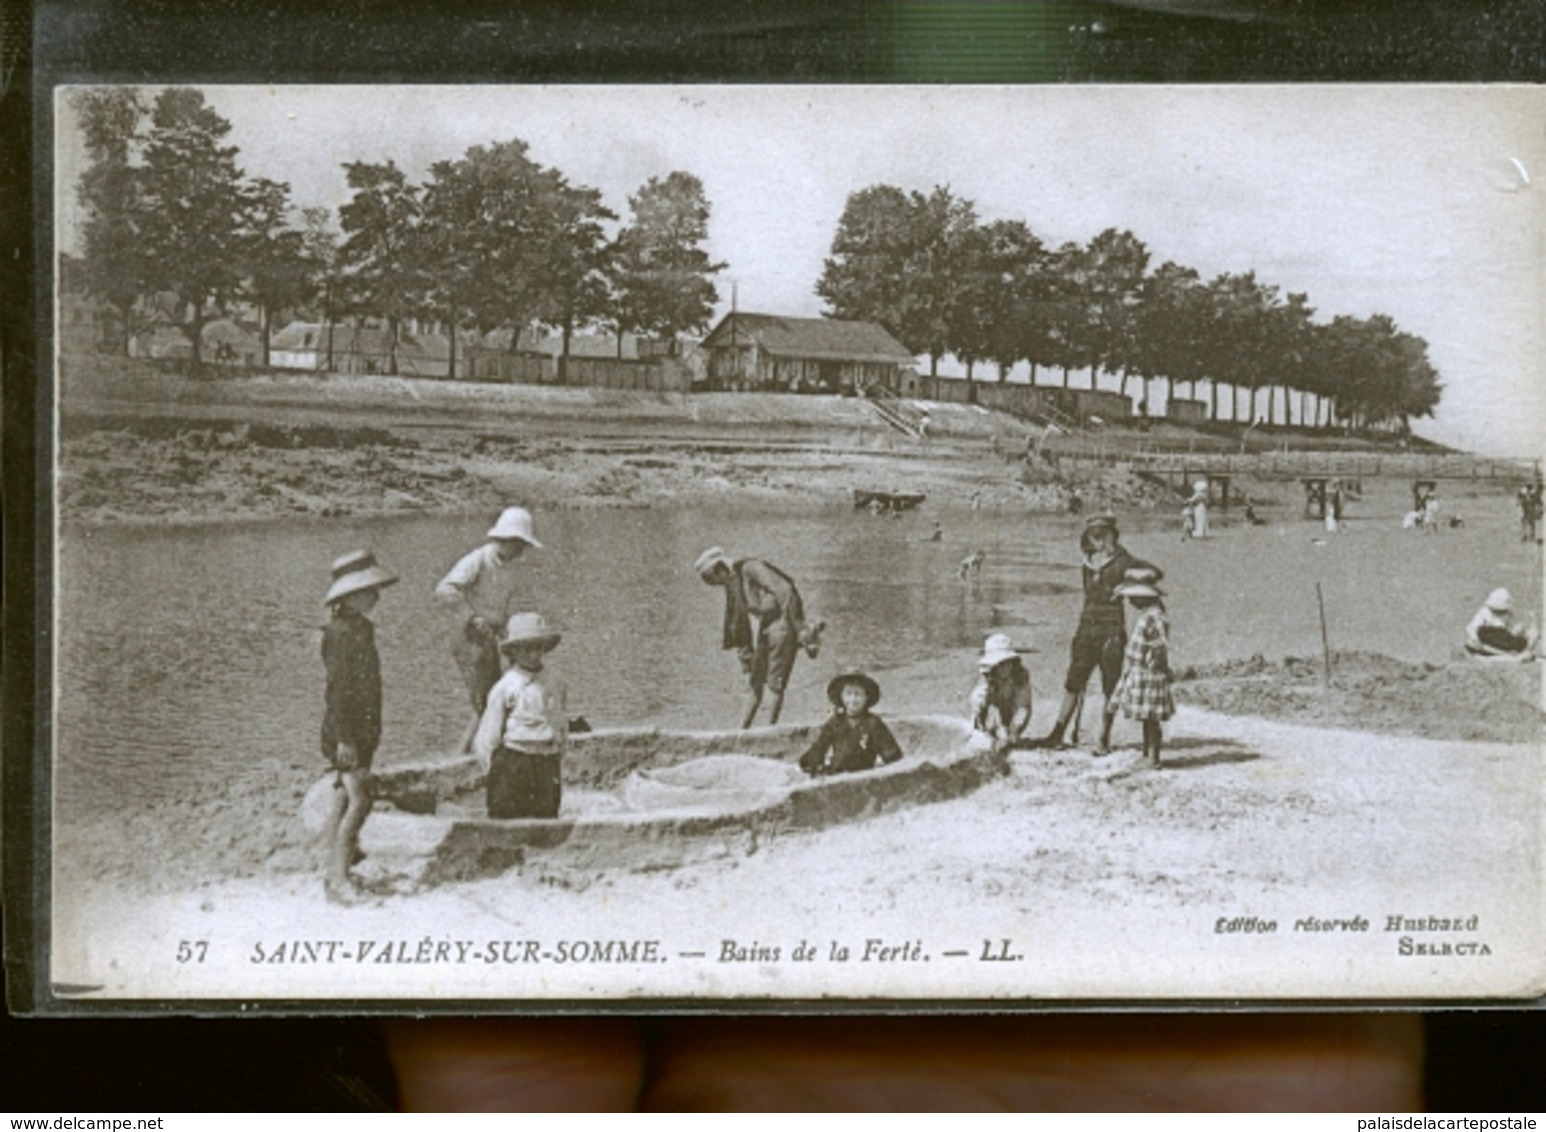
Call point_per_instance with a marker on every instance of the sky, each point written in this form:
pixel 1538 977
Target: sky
pixel 1422 203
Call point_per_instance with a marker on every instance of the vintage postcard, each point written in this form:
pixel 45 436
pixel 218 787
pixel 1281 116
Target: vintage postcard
pixel 584 545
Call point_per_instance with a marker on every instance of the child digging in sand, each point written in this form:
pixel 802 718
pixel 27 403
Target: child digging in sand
pixel 851 739
pixel 1143 691
pixel 351 720
pixel 1001 698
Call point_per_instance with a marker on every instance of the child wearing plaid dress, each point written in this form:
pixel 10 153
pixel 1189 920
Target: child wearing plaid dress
pixel 1143 692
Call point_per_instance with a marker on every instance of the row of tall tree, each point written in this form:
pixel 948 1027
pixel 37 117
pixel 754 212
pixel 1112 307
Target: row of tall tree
pixel 491 241
pixel 940 279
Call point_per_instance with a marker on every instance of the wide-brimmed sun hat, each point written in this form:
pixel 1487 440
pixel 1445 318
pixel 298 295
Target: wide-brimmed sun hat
pixel 709 558
pixel 514 523
pixel 995 650
pixel 1500 601
pixel 354 572
pixel 529 628
pixel 1140 581
pixel 852 676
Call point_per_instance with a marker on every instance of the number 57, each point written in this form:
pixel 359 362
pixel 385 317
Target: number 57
pixel 192 951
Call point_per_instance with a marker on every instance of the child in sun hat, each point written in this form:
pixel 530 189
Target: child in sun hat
pixel 1001 698
pixel 1143 691
pixel 351 719
pixel 1495 632
pixel 852 738
pixel 524 732
pixel 480 592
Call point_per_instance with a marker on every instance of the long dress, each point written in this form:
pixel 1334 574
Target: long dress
pixel 1199 515
pixel 1143 692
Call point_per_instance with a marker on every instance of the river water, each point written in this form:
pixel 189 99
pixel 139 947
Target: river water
pixel 186 654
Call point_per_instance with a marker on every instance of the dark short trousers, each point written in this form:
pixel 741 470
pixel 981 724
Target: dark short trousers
pixel 1089 652
pixel 477 659
pixel 1496 637
pixel 522 785
pixel 777 647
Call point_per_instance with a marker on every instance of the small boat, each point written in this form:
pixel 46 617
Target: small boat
pixel 889 500
pixel 649 799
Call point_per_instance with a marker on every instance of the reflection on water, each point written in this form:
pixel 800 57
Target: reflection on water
pixel 187 654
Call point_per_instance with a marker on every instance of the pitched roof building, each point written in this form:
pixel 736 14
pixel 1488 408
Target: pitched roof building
pixel 749 351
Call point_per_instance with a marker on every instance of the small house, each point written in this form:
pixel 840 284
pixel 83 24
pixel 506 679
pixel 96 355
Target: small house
pixel 772 353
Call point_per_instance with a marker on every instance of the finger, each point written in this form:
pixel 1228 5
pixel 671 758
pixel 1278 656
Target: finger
pixel 516 1065
pixel 1130 1063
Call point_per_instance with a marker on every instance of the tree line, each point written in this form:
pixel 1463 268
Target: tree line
pixel 496 241
pixel 491 241
pixel 942 281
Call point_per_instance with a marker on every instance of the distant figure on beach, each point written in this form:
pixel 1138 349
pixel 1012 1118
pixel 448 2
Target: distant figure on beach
pixel 971 565
pixel 1199 507
pixel 1252 518
pixel 764 623
pixel 524 732
pixel 937 533
pixel 478 591
pixel 1001 698
pixel 1431 513
pixel 1143 692
pixel 1529 502
pixel 1188 520
pixel 1495 632
pixel 351 718
pixel 1334 506
pixel 853 738
pixel 1101 635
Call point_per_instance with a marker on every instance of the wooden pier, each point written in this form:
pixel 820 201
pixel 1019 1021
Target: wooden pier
pixel 1315 470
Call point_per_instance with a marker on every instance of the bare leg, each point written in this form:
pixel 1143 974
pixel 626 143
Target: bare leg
pixel 1108 714
pixel 338 803
pixel 775 705
pixel 465 747
pixel 347 834
pixel 1066 711
pixel 753 702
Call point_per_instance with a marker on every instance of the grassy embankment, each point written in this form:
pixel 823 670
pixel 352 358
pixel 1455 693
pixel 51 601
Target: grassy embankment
pixel 140 443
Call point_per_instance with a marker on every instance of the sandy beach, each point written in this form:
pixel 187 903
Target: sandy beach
pixel 1408 783
pixel 1079 865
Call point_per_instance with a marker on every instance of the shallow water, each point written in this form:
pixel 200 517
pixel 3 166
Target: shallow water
pixel 186 654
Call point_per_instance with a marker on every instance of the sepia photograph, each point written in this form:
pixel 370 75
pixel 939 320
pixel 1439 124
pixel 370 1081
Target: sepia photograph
pixel 558 546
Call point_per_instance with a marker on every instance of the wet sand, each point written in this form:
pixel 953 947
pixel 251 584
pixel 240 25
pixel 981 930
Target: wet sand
pixel 1282 805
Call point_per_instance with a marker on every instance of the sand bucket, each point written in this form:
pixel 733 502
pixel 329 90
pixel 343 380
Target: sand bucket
pixel 714 782
pixel 323 804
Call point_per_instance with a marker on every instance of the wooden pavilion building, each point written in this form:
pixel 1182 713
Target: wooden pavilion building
pixel 772 353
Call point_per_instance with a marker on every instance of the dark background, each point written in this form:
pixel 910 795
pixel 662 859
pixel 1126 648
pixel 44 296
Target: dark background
pixel 1491 1060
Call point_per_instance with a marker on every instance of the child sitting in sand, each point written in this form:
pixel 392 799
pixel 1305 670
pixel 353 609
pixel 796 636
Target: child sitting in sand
pixel 851 739
pixel 1494 632
pixel 1001 698
pixel 351 718
pixel 1143 691
pixel 524 732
